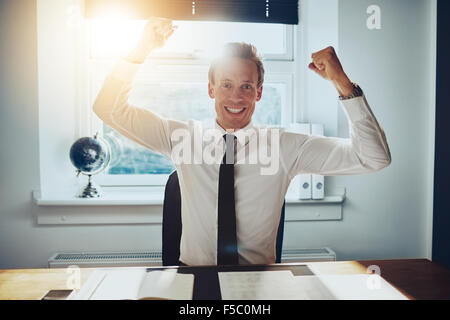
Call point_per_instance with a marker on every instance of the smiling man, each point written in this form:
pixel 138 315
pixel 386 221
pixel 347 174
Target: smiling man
pixel 231 209
pixel 235 82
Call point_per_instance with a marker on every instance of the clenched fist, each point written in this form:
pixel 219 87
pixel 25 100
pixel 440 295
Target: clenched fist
pixel 154 36
pixel 156 32
pixel 326 64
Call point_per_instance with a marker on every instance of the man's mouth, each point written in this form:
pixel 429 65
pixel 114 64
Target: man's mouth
pixel 234 110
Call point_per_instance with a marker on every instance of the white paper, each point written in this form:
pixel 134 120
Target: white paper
pixel 283 285
pixel 119 284
pixel 167 285
pixel 136 283
pixel 262 285
pixel 311 288
pixel 89 287
pixel 346 287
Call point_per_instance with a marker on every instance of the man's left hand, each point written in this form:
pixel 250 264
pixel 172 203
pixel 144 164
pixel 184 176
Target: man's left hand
pixel 326 64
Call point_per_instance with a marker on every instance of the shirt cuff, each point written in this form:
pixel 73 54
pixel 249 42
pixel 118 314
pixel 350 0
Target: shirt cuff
pixel 356 108
pixel 125 70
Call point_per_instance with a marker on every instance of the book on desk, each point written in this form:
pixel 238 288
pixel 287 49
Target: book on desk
pixel 136 284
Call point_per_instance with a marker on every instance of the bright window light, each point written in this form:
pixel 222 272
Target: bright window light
pixel 111 38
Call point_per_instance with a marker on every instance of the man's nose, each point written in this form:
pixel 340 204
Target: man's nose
pixel 237 95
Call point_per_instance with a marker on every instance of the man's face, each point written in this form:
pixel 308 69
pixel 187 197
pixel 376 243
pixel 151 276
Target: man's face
pixel 235 92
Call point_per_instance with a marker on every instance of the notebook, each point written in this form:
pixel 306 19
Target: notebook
pixel 136 284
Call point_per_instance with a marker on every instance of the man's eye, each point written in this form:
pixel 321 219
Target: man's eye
pixel 226 85
pixel 247 86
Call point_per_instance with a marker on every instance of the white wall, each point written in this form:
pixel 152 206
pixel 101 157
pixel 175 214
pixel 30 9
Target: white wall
pixel 386 214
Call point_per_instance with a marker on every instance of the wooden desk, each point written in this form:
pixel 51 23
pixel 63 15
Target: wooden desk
pixel 416 278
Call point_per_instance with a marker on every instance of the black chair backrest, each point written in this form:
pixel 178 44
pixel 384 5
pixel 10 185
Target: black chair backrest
pixel 280 235
pixel 171 222
pixel 171 225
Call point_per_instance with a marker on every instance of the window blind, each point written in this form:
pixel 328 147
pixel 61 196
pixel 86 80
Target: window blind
pixel 261 11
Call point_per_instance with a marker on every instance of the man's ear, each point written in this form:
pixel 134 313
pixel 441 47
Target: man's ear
pixel 259 93
pixel 211 90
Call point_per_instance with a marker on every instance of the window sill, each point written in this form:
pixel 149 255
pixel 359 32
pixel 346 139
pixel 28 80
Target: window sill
pixel 144 206
pixel 107 199
pixel 142 199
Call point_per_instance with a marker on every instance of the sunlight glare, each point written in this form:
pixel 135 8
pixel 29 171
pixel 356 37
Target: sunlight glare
pixel 112 38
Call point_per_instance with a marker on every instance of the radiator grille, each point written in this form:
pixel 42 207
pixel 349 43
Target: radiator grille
pixel 108 256
pixel 154 258
pixel 106 259
pixel 305 255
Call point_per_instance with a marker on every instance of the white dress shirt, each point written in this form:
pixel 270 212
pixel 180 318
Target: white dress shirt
pixel 259 197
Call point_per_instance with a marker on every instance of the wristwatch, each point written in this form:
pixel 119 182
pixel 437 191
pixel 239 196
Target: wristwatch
pixel 357 92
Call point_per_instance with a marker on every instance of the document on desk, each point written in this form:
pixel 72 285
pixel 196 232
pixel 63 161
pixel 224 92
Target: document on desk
pixel 135 284
pixel 348 287
pixel 283 285
pixel 260 285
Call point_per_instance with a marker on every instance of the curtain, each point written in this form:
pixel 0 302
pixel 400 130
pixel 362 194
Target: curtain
pixel 261 11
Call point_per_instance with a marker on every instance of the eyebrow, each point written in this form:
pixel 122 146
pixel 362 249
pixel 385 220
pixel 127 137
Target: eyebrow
pixel 249 81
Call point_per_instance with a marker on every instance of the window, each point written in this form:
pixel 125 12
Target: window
pixel 174 84
pixel 109 39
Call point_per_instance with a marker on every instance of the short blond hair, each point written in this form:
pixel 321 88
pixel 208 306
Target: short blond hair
pixel 238 50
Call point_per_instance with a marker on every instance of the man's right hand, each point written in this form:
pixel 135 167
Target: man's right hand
pixel 155 35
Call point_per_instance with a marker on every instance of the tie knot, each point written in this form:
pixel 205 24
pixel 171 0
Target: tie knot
pixel 229 148
pixel 228 137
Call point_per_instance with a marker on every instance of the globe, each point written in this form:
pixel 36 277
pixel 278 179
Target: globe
pixel 90 156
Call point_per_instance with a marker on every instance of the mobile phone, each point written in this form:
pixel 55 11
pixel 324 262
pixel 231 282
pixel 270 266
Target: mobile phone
pixel 57 295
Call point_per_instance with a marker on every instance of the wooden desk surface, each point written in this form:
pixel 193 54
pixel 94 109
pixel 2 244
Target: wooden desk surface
pixel 416 278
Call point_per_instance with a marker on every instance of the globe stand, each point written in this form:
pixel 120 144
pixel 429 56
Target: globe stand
pixel 91 190
pixel 90 156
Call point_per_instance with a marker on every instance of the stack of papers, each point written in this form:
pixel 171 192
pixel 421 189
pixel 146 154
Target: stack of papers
pixel 283 285
pixel 136 283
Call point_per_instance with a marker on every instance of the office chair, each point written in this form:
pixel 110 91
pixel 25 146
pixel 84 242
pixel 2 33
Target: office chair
pixel 171 225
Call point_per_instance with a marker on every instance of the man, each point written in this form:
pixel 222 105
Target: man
pixel 240 226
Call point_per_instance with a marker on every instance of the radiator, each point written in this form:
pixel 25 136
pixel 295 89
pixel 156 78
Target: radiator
pixel 103 259
pixel 154 258
pixel 307 255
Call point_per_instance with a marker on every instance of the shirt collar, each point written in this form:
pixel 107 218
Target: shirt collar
pixel 243 135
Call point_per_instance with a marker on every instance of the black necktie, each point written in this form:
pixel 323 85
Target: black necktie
pixel 226 222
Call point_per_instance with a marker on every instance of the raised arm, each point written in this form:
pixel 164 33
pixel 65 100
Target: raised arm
pixel 365 151
pixel 112 106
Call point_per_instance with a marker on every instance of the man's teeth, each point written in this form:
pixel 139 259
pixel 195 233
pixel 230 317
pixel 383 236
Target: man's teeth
pixel 234 110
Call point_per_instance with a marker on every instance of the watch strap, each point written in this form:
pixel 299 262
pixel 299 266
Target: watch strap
pixel 357 92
